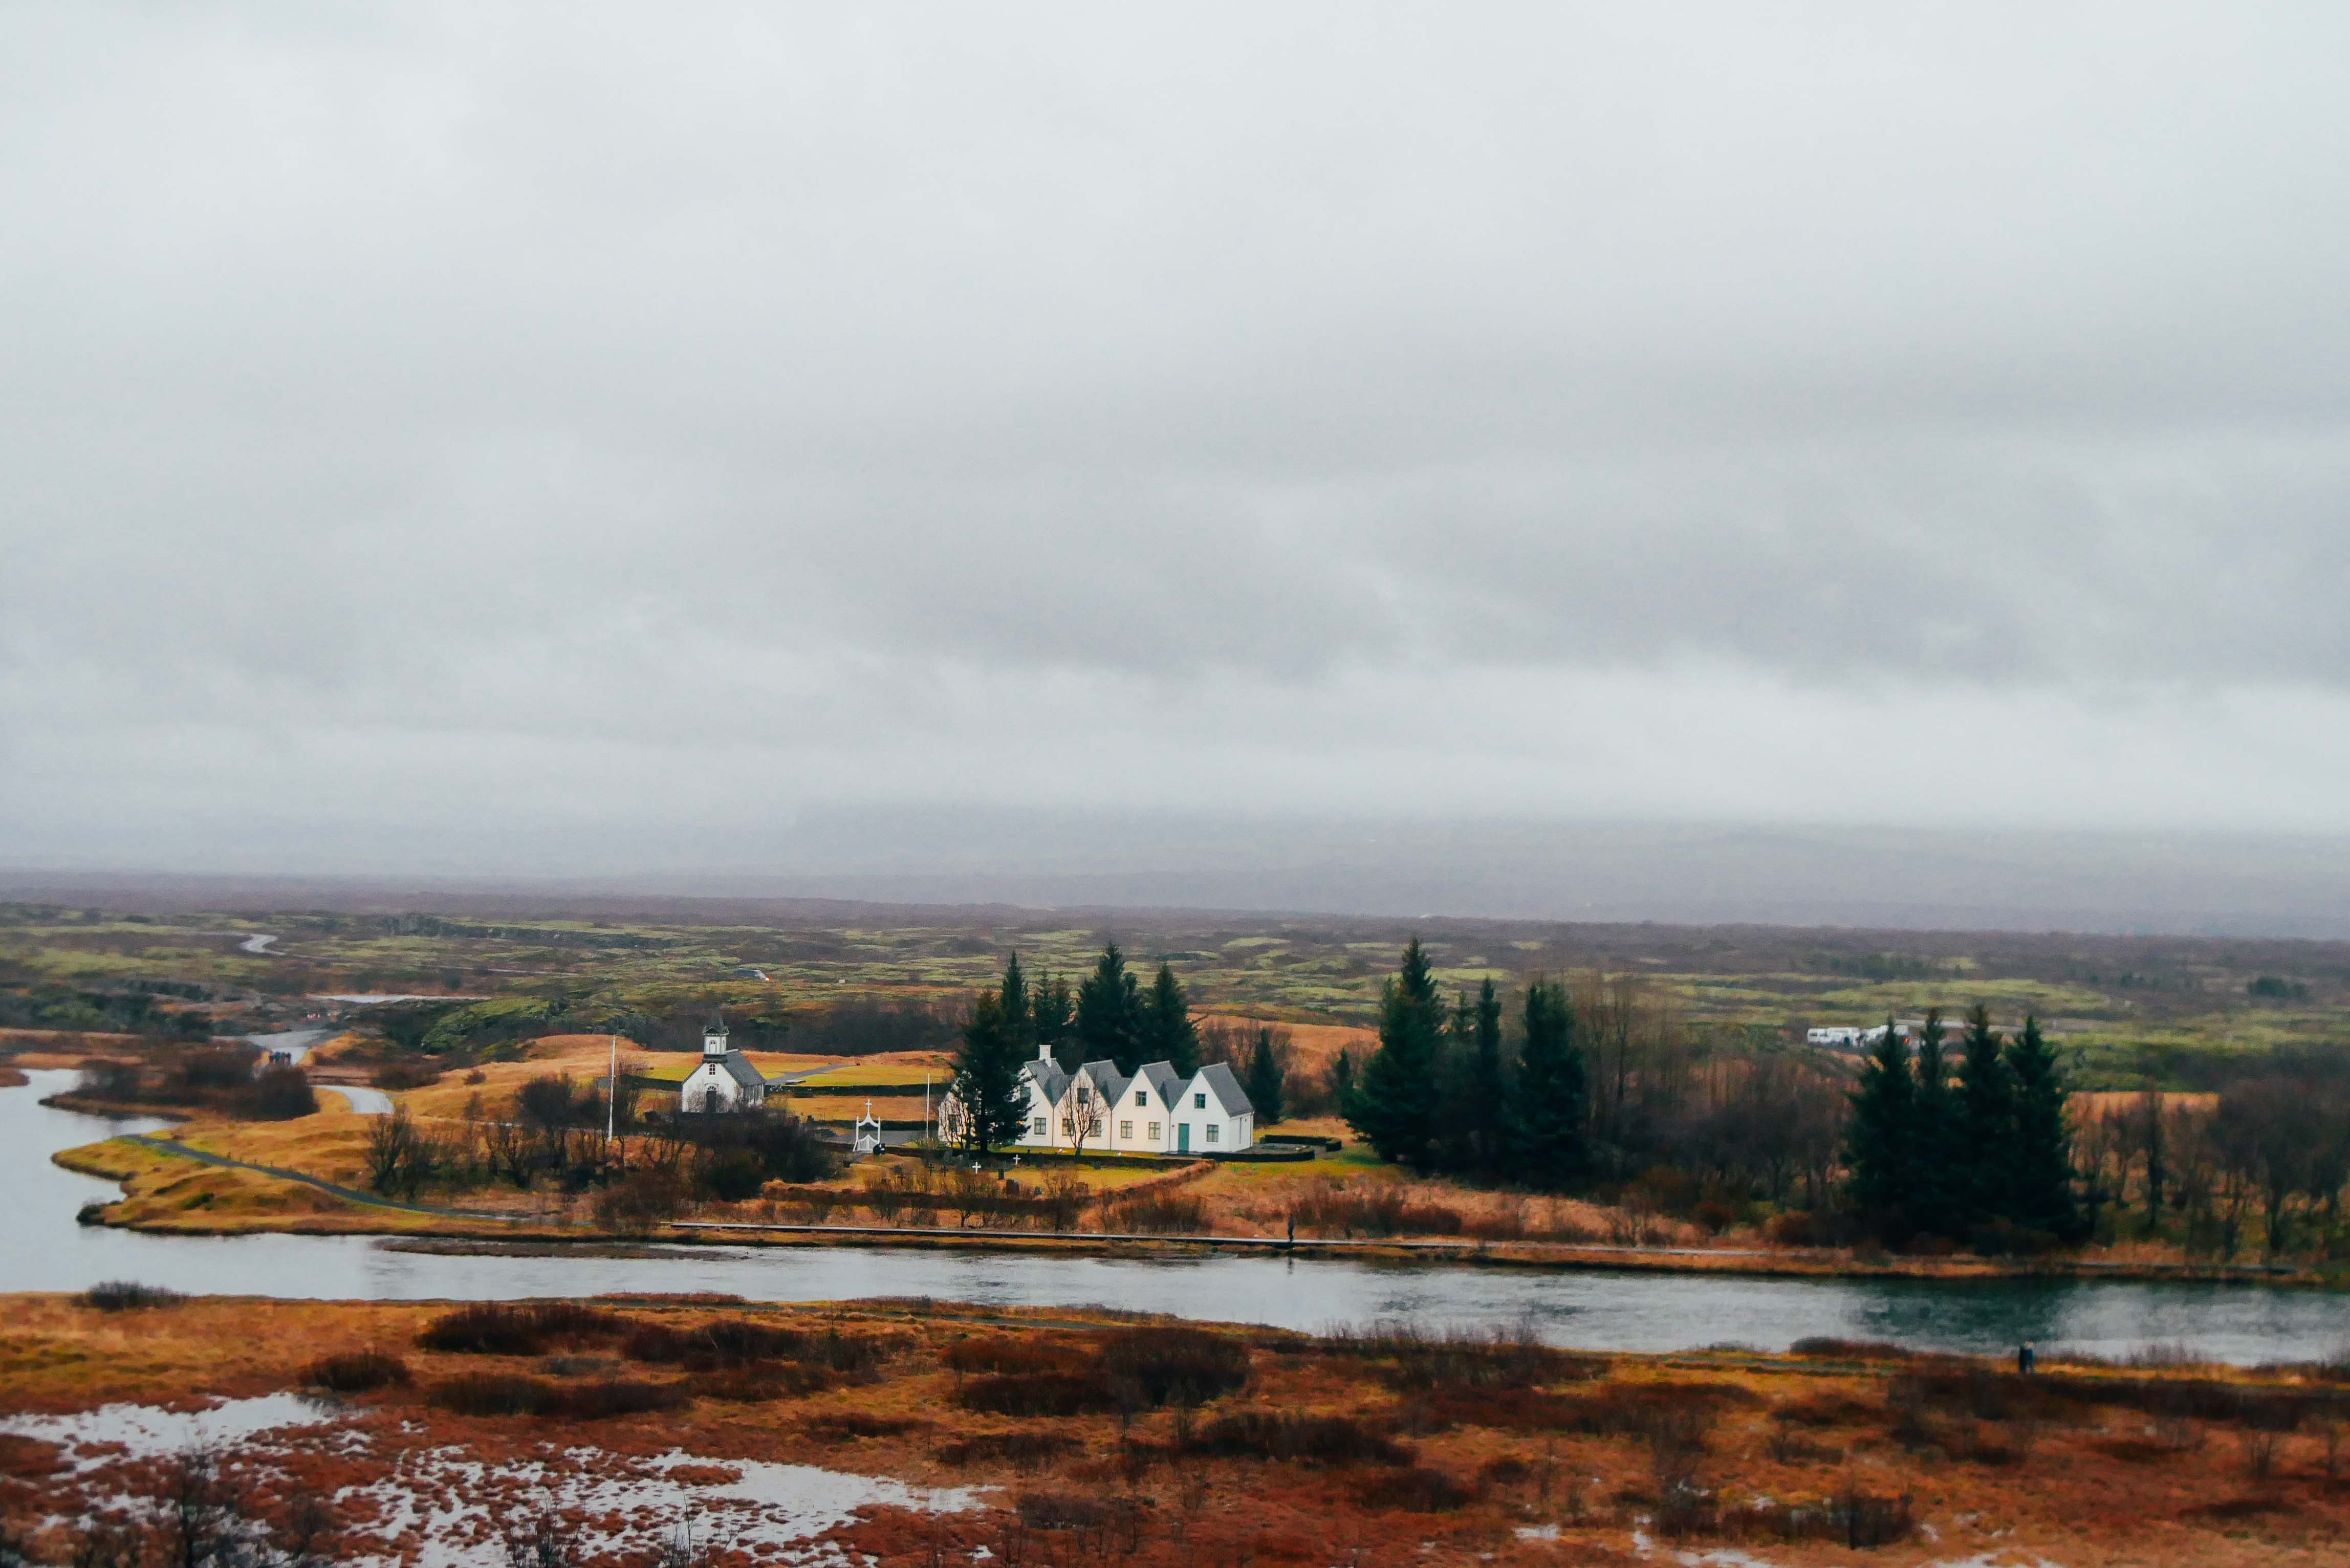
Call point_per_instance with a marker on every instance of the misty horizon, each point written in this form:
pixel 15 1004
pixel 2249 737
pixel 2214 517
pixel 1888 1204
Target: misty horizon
pixel 1859 447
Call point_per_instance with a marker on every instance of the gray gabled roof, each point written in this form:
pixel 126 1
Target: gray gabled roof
pixel 740 1070
pixel 1159 1078
pixel 1108 1081
pixel 1225 1089
pixel 1048 1076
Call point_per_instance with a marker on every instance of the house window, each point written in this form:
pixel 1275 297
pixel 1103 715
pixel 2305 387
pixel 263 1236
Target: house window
pixel 1200 1101
pixel 1154 1131
pixel 1036 1125
pixel 1084 1093
pixel 1125 1129
pixel 1067 1126
pixel 1213 1130
pixel 1141 1101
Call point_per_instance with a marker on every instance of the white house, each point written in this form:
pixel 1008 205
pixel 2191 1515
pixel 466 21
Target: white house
pixel 1156 1111
pixel 725 1080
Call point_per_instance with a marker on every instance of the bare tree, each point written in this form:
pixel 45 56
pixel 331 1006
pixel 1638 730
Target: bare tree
pixel 1083 1114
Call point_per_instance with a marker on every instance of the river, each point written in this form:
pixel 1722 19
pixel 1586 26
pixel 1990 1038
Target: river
pixel 45 1250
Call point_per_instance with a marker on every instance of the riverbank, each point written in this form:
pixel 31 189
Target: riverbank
pixel 174 1190
pixel 942 1432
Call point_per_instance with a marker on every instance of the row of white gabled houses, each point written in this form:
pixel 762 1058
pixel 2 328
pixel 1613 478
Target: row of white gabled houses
pixel 1097 1107
pixel 1156 1111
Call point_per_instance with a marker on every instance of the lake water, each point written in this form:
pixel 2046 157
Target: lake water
pixel 43 1248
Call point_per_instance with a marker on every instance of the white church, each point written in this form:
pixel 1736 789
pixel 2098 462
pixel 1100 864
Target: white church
pixel 725 1080
pixel 1156 1111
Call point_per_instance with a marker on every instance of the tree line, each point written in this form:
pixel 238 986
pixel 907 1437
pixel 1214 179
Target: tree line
pixel 1444 1092
pixel 1979 1150
pixel 2263 1158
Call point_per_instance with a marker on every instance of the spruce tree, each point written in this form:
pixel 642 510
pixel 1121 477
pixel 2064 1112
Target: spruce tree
pixel 1393 1103
pixel 1052 1005
pixel 1340 1076
pixel 1986 1121
pixel 987 1078
pixel 1109 1024
pixel 2041 1166
pixel 1166 1032
pixel 1019 1017
pixel 1486 1109
pixel 1880 1138
pixel 1549 1145
pixel 1939 1190
pixel 1264 1081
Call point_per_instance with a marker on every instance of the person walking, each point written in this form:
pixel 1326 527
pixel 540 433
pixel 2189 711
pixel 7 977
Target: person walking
pixel 2024 1358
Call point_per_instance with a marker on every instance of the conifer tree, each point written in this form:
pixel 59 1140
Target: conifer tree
pixel 986 1082
pixel 1986 1121
pixel 1166 1032
pixel 1019 1017
pixel 1393 1103
pixel 1265 1081
pixel 1939 1188
pixel 1340 1078
pixel 2041 1166
pixel 1486 1105
pixel 1549 1145
pixel 1052 1006
pixel 1109 1024
pixel 1880 1145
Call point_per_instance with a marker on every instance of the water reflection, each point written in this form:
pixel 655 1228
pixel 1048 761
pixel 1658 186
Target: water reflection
pixel 43 1248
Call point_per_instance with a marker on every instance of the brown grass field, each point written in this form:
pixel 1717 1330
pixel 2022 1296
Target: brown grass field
pixel 1100 1441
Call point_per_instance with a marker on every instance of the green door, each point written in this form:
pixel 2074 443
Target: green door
pixel 1182 1137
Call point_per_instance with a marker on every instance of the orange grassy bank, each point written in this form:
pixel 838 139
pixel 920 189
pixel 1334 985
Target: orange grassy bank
pixel 1072 1436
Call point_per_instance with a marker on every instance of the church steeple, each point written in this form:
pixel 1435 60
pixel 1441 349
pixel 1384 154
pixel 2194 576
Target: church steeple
pixel 713 1037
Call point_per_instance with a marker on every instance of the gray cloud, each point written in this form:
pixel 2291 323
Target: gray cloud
pixel 471 418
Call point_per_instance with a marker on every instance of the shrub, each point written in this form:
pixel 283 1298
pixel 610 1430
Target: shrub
pixel 732 1175
pixel 1795 1228
pixel 1025 1450
pixel 1157 1214
pixel 1006 1353
pixel 499 1328
pixel 737 1342
pixel 202 1068
pixel 837 1426
pixel 1824 1410
pixel 1033 1394
pixel 1416 1490
pixel 1297 1440
pixel 751 1385
pixel 1378 1210
pixel 1828 1347
pixel 277 1094
pixel 129 1295
pixel 397 1076
pixel 640 1202
pixel 1467 1358
pixel 1184 1366
pixel 510 1393
pixel 355 1372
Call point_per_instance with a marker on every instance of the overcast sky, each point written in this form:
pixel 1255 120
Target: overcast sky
pixel 511 438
